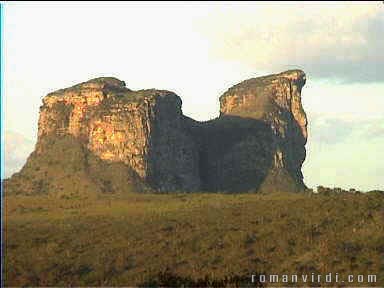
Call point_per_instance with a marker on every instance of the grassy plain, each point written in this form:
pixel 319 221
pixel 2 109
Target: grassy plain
pixel 190 239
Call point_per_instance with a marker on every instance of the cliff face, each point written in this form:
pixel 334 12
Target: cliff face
pixel 273 103
pixel 142 129
pixel 142 136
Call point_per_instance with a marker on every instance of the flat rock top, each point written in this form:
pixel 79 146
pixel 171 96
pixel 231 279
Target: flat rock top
pixel 112 87
pixel 96 83
pixel 296 76
pixel 116 89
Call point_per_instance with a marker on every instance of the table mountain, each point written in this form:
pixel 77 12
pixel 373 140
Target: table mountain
pixel 100 136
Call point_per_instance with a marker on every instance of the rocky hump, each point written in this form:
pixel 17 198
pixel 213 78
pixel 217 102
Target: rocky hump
pixel 109 138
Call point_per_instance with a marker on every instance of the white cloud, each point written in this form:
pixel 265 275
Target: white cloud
pixel 339 40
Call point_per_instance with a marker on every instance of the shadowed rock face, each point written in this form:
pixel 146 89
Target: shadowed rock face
pixel 275 101
pixel 257 142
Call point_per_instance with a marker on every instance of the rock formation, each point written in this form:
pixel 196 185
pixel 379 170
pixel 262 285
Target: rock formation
pixel 275 150
pixel 116 139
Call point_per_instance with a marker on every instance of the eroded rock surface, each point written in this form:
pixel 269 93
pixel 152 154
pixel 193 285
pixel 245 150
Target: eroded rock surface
pixel 257 142
pixel 274 103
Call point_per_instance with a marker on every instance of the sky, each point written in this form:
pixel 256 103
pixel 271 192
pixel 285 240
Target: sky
pixel 199 50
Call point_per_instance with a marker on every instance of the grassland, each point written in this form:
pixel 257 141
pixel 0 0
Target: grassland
pixel 190 239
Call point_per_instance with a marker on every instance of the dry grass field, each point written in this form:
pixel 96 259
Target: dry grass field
pixel 190 239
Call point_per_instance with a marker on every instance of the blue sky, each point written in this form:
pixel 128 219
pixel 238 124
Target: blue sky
pixel 198 51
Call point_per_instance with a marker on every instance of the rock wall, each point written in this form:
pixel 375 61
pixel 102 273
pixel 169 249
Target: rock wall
pixel 143 129
pixel 257 142
pixel 274 102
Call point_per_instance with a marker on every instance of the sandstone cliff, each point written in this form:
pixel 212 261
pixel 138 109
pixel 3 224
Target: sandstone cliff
pixel 101 136
pixel 273 105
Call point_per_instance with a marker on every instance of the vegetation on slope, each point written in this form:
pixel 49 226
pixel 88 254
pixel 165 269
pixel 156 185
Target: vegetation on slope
pixel 64 167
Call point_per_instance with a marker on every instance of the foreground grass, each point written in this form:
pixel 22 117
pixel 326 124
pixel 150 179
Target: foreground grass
pixel 190 239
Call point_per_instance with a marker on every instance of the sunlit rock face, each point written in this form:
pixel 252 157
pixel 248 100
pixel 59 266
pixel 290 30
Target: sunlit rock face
pixel 257 142
pixel 143 129
pixel 65 110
